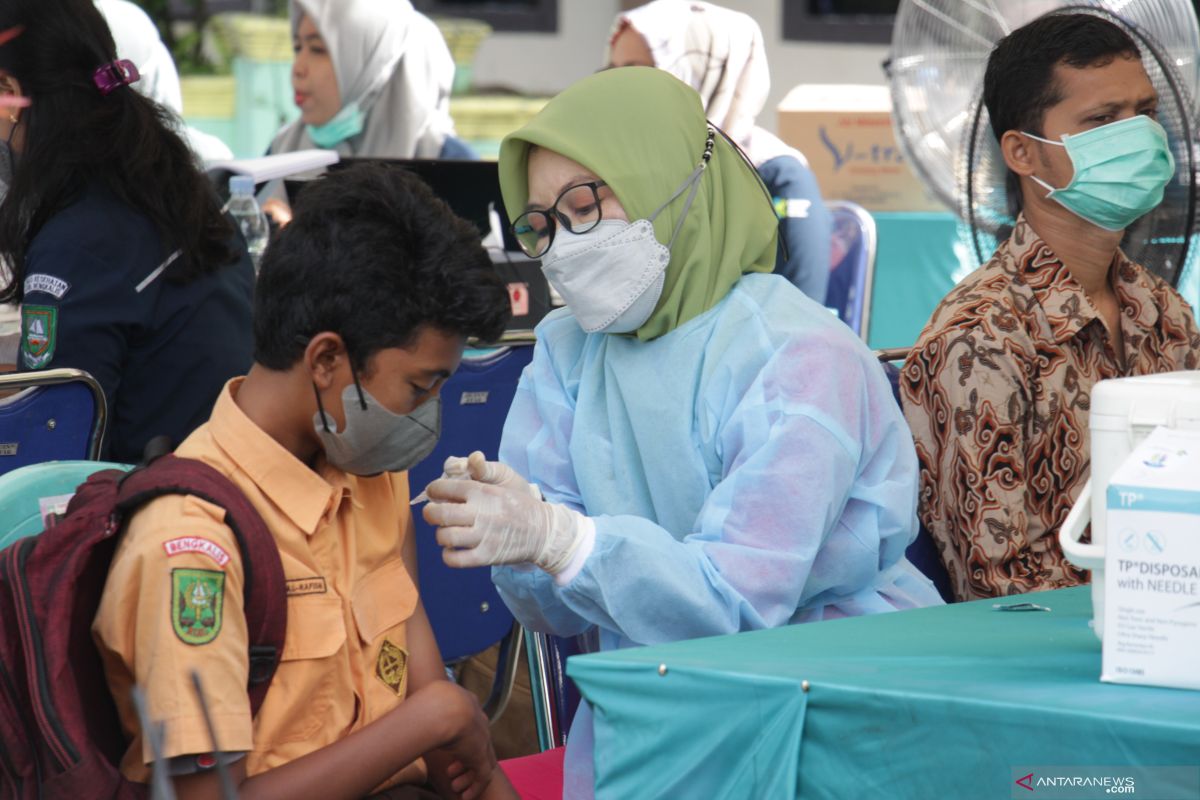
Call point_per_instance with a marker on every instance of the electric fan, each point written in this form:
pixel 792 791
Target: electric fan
pixel 939 52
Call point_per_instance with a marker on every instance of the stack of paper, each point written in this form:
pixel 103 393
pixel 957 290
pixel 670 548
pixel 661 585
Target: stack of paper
pixel 269 168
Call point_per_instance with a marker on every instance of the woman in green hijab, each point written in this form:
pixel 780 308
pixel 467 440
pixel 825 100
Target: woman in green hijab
pixel 712 451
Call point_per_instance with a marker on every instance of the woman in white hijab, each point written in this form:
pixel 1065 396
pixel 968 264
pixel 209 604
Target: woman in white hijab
pixel 372 79
pixel 720 53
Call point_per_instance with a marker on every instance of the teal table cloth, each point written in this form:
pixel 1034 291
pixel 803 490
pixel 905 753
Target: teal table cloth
pixel 939 702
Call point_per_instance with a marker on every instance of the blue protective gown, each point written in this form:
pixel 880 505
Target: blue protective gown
pixel 749 469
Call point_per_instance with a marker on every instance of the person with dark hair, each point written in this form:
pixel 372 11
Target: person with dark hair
pixel 120 256
pixel 997 388
pixel 366 301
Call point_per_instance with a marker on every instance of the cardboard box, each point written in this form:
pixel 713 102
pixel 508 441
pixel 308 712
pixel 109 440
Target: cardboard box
pixel 1152 564
pixel 845 132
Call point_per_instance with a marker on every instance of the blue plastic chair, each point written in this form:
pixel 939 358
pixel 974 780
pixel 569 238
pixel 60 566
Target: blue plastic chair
pixel 923 552
pixel 29 493
pixel 555 696
pixel 852 273
pixel 55 415
pixel 465 611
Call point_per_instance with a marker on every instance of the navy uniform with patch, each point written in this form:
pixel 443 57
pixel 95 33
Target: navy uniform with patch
pixel 161 350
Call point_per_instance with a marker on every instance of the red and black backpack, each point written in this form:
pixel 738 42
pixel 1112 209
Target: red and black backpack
pixel 59 732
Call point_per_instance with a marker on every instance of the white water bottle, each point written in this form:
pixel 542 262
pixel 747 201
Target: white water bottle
pixel 250 218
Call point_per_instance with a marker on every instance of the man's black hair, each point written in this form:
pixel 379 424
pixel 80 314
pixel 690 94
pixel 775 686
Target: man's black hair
pixel 1019 85
pixel 373 255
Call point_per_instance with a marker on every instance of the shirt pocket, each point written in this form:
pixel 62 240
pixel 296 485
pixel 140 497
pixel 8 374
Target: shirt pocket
pixel 383 603
pixel 311 688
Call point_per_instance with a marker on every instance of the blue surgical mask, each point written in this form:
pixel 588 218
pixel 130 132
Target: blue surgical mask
pixel 1121 170
pixel 346 123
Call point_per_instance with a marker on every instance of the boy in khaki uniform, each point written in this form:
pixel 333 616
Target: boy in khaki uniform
pixel 363 307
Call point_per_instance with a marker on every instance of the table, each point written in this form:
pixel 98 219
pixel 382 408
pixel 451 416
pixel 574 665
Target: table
pixel 931 703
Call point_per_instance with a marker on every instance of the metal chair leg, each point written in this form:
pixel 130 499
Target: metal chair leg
pixel 506 673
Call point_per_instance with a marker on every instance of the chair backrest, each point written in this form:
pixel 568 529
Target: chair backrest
pixel 464 609
pixel 56 414
pixel 923 552
pixel 29 494
pixel 852 265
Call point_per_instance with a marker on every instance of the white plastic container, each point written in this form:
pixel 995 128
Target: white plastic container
pixel 1124 412
pixel 1152 586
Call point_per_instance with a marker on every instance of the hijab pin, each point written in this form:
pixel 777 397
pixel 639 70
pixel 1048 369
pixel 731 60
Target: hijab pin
pixel 709 143
pixel 111 76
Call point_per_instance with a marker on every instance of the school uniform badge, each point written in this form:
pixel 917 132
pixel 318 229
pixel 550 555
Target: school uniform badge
pixel 392 666
pixel 39 333
pixel 197 604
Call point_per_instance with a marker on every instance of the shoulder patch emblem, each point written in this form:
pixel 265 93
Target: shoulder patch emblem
pixel 46 284
pixel 392 666
pixel 197 544
pixel 39 333
pixel 197 604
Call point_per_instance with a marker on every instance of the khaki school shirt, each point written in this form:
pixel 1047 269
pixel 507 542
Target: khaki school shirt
pixel 173 603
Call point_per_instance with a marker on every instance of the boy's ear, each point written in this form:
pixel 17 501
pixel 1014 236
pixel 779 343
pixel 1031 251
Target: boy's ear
pixel 323 356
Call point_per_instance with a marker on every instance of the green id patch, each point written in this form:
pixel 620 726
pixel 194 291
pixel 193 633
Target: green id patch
pixel 197 603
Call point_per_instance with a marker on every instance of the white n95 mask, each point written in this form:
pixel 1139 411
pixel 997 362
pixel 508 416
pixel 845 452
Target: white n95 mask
pixel 612 276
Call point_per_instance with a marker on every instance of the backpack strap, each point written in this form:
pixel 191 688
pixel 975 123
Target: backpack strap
pixel 264 588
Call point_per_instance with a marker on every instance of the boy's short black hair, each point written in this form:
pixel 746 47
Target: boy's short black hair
pixel 1019 84
pixel 373 255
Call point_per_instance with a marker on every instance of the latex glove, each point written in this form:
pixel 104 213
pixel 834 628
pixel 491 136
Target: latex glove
pixel 480 469
pixel 480 524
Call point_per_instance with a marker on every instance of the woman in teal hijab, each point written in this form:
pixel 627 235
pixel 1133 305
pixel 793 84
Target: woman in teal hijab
pixel 712 451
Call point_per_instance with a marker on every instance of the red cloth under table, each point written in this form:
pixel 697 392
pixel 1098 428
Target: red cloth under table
pixel 537 777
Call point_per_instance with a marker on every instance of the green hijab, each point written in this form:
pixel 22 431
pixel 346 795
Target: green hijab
pixel 643 131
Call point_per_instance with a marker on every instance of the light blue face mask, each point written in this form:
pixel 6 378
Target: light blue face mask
pixel 1121 170
pixel 344 124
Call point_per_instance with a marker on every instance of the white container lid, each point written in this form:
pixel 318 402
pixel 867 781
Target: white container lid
pixel 1169 398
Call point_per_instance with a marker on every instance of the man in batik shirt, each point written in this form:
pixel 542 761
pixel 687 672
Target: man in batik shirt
pixel 997 390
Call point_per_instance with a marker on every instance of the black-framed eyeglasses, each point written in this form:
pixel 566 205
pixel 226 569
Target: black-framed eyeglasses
pixel 577 209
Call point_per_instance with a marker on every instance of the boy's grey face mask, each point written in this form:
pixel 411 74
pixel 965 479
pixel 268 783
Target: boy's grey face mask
pixel 376 440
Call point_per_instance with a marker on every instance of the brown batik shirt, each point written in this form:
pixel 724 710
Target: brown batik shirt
pixel 997 393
